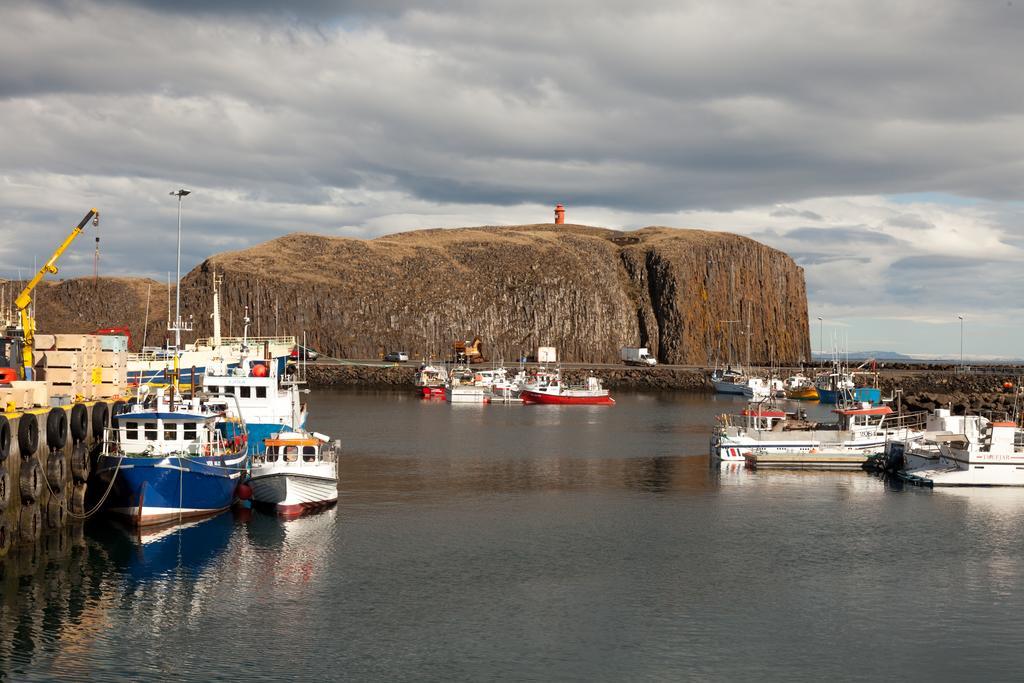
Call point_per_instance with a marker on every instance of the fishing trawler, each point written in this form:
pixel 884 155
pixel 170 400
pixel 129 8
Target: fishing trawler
pixel 168 459
pixel 553 391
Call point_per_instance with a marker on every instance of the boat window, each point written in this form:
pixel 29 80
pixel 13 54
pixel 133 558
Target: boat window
pixel 151 431
pixel 309 453
pixel 270 456
pixel 190 431
pixel 291 453
pixel 170 431
pixel 244 392
pixel 131 430
pixel 261 392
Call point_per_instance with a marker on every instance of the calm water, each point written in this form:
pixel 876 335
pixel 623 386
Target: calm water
pixel 539 543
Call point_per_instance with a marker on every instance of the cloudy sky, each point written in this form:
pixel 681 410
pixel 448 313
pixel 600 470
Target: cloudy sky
pixel 880 144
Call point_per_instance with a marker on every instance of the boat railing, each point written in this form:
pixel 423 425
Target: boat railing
pixel 915 421
pixel 285 340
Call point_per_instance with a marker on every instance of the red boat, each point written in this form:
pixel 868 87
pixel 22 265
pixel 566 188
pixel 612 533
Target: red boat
pixel 432 392
pixel 554 393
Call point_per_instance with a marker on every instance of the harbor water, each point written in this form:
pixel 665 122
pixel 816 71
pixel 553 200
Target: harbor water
pixel 516 542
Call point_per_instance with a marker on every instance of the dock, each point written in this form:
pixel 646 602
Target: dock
pixel 807 461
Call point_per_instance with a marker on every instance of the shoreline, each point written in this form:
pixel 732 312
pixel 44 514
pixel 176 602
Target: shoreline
pixel 915 387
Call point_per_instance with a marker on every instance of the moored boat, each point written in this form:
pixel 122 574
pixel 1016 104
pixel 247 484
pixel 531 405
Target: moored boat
pixel 799 387
pixel 296 472
pixel 994 458
pixel 167 460
pixel 764 429
pixel 555 392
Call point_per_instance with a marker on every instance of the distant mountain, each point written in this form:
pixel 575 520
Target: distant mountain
pixel 863 355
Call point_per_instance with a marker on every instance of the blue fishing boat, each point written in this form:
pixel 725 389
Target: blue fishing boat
pixel 167 460
pixel 838 386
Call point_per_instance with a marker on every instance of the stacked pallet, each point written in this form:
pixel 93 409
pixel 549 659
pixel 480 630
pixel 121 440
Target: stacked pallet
pixel 74 365
pixel 21 395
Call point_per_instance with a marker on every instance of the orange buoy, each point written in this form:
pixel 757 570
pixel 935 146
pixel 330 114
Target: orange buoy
pixel 1007 384
pixel 259 370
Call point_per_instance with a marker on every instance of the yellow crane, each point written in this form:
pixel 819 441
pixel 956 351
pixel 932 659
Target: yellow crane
pixel 28 323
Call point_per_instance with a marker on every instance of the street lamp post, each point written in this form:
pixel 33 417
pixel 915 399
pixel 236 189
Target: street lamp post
pixel 821 337
pixel 177 287
pixel 961 342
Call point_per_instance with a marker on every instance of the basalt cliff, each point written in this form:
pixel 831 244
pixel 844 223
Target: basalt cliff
pixel 586 291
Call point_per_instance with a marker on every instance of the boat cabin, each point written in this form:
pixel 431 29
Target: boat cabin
pixel 862 417
pixel 288 448
pixel 160 433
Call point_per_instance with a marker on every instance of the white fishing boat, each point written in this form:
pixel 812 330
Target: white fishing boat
pixel 466 385
pixel 764 428
pixel 296 472
pixel 758 389
pixel 153 364
pixel 940 427
pixel 431 380
pixel 729 381
pixel 995 457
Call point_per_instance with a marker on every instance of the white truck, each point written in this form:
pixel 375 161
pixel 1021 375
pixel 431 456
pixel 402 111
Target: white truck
pixel 637 355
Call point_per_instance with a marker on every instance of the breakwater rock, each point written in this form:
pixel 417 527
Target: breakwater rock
pixel 586 291
pixel 640 379
pixel 993 391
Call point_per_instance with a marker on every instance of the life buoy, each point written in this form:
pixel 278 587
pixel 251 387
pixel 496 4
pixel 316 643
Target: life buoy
pixel 79 422
pixel 56 428
pixel 28 435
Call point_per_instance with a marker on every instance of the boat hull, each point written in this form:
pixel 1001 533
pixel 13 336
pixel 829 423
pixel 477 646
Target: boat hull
pixel 431 392
pixel 802 394
pixel 723 387
pixel 566 399
pixel 860 394
pixel 158 490
pixel 293 492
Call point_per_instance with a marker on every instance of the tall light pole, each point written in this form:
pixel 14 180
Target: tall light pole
pixel 177 287
pixel 821 337
pixel 961 342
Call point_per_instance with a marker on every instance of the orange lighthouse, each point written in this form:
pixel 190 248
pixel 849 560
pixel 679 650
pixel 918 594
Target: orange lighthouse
pixel 559 214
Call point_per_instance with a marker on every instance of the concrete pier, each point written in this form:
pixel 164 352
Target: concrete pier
pixel 46 455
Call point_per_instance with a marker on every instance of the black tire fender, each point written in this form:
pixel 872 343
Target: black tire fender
pixel 5 488
pixel 56 470
pixel 56 512
pixel 56 428
pixel 78 499
pixel 79 422
pixel 31 480
pixel 100 418
pixel 30 523
pixel 28 435
pixel 5 537
pixel 5 438
pixel 80 464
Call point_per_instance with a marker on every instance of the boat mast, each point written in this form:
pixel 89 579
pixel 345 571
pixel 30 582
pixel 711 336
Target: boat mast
pixel 216 309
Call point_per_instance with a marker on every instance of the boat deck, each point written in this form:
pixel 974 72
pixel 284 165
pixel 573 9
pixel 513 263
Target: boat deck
pixel 807 461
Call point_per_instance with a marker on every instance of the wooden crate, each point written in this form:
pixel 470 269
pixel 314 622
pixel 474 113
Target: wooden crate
pixel 112 359
pixel 60 359
pixel 107 390
pixel 63 375
pixel 24 395
pixel 115 375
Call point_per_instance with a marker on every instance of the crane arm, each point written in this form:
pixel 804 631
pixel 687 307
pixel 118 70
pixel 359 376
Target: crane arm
pixel 28 323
